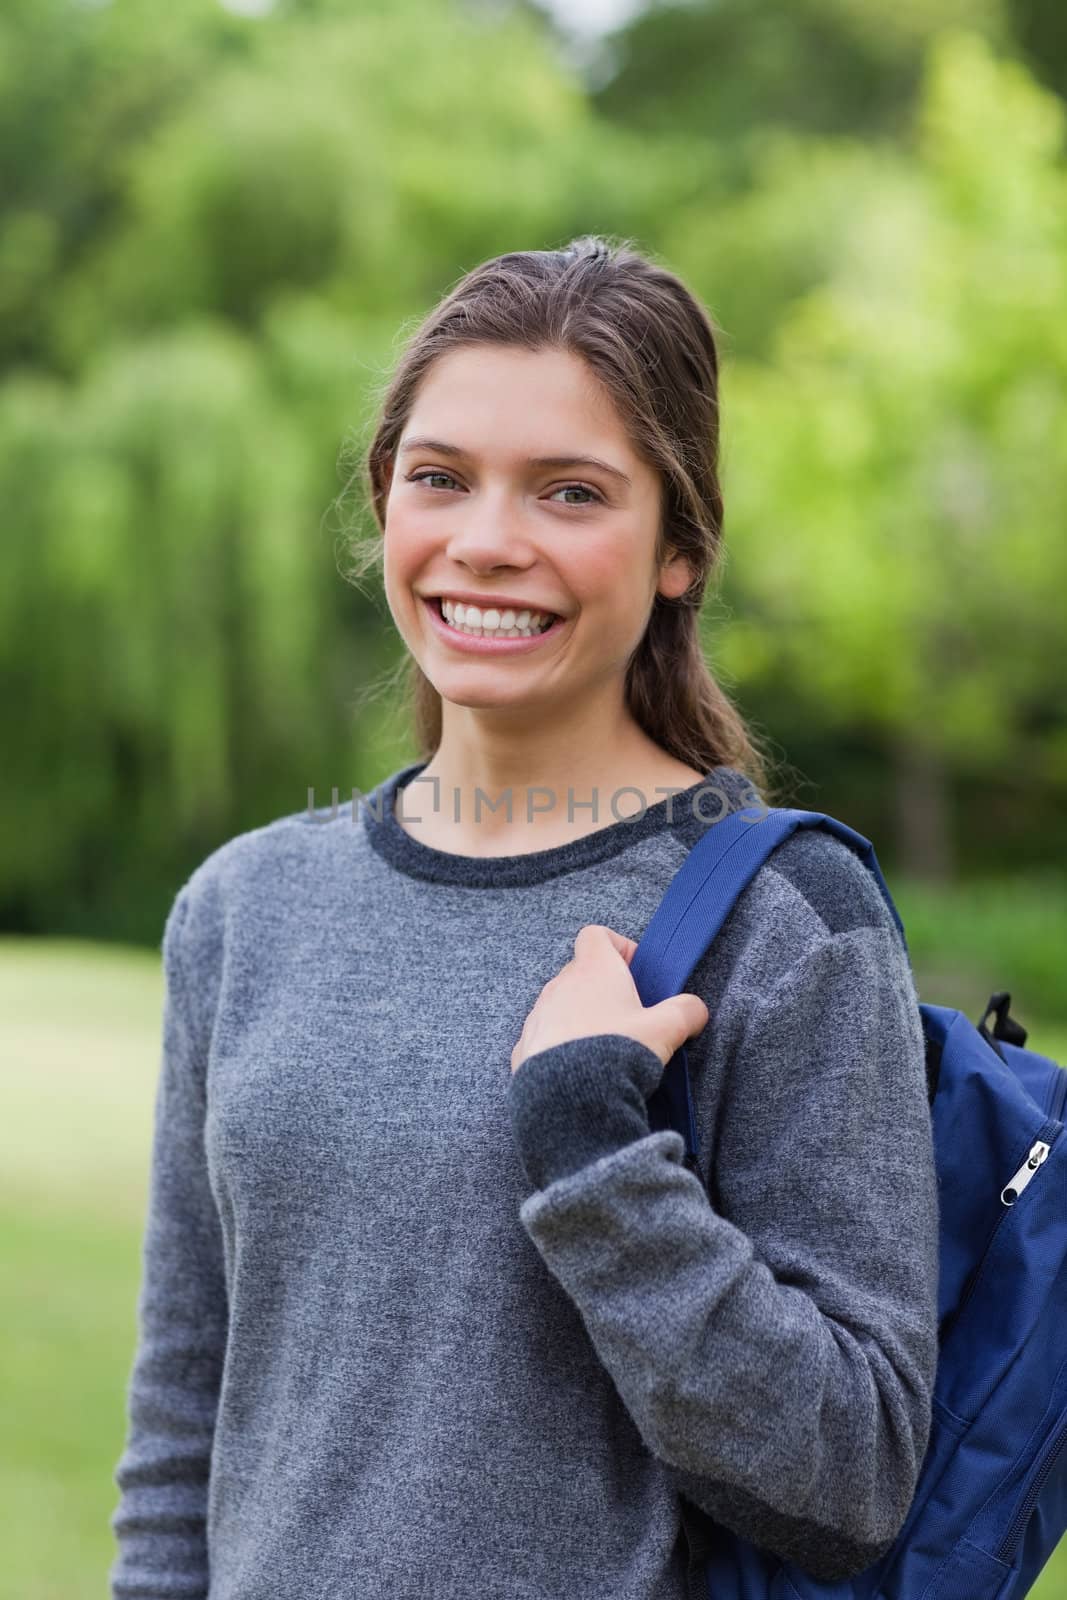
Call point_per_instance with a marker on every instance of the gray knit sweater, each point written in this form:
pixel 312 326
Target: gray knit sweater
pixel 413 1326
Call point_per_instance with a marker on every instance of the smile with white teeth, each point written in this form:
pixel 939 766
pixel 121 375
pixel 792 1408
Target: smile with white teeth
pixel 493 623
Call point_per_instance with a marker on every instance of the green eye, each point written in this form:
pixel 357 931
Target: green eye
pixel 423 477
pixel 582 488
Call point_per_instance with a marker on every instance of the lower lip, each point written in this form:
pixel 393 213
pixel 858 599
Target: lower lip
pixel 483 646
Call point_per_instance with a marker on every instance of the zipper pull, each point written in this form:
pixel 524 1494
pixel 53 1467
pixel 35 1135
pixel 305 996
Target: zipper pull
pixel 1017 1183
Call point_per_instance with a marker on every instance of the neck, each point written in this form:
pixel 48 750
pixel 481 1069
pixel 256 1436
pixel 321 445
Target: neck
pixel 555 769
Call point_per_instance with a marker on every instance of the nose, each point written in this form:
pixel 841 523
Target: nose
pixel 490 534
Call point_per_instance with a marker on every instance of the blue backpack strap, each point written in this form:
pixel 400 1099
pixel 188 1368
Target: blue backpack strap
pixel 698 900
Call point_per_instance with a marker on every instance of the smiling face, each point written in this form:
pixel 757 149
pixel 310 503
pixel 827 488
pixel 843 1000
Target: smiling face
pixel 482 512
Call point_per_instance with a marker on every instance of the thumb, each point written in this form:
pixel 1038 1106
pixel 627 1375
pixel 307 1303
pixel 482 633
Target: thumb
pixel 676 1020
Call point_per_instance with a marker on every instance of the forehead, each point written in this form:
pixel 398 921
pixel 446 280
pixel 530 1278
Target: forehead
pixel 520 396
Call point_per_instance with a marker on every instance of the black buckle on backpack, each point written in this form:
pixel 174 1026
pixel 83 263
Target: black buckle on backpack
pixel 1005 1027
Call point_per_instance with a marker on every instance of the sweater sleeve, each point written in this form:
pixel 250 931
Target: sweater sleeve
pixel 776 1349
pixel 160 1521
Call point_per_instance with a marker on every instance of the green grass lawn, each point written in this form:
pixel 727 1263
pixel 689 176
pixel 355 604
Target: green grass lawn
pixel 79 1053
pixel 79 1046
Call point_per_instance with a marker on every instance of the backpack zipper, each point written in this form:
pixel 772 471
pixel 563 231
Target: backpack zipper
pixel 1015 1185
pixel 1018 1180
pixel 1018 1522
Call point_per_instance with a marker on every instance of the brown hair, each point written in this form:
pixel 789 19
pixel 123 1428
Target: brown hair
pixel 652 346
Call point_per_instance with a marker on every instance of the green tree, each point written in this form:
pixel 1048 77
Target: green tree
pixel 896 467
pixel 727 70
pixel 184 658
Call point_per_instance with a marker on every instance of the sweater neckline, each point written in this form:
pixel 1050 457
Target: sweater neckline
pixel 725 789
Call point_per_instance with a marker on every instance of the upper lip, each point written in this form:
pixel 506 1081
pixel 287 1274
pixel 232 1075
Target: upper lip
pixel 486 601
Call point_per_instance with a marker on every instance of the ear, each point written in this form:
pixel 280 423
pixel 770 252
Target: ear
pixel 675 576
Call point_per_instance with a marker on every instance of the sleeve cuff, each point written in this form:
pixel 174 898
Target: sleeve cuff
pixel 580 1100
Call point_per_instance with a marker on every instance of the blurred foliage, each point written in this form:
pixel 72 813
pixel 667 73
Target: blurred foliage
pixel 1040 26
pixel 215 231
pixel 896 467
pixel 976 938
pixel 736 69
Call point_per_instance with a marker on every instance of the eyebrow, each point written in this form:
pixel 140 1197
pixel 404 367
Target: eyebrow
pixel 439 447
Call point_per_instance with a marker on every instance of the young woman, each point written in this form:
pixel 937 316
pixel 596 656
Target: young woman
pixel 428 1309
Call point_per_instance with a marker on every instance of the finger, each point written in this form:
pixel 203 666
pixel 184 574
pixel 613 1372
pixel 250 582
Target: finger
pixel 623 945
pixel 695 1013
pixel 619 941
pixel 678 1018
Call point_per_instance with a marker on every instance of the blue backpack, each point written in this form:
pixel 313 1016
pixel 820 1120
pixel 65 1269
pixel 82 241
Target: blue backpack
pixel 991 1502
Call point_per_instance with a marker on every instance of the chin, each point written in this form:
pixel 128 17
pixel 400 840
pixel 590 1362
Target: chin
pixel 481 702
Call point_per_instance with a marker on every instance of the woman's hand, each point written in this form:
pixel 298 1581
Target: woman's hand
pixel 594 993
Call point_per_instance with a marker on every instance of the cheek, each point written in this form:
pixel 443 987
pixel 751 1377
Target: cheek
pixel 608 577
pixel 405 546
pixel 400 567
